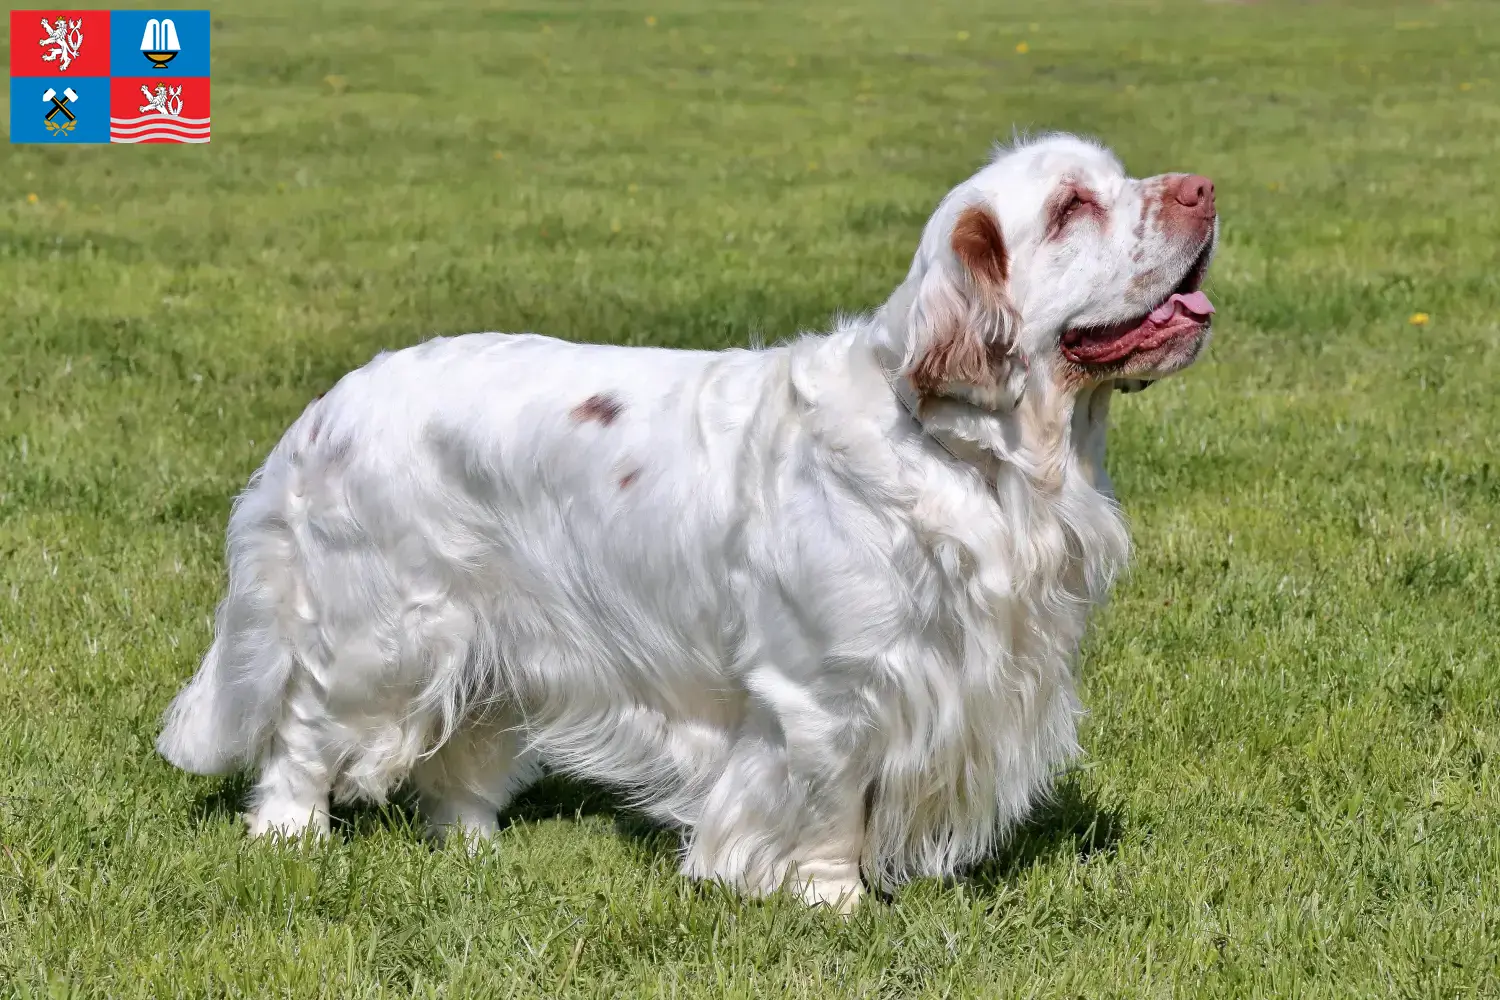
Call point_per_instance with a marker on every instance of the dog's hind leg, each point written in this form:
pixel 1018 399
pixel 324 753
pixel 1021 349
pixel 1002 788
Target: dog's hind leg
pixel 291 792
pixel 463 786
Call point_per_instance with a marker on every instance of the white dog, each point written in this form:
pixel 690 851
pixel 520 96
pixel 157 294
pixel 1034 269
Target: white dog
pixel 817 605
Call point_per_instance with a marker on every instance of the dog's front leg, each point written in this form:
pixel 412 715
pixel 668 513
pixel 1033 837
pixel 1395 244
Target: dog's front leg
pixel 471 778
pixel 788 810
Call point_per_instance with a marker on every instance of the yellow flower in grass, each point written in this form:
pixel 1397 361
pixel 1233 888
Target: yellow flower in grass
pixel 1419 319
pixel 31 199
pixel 651 21
pixel 1022 48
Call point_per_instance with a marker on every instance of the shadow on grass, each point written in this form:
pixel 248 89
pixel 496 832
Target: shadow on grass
pixel 225 800
pixel 229 798
pixel 557 797
pixel 1070 823
pixel 553 797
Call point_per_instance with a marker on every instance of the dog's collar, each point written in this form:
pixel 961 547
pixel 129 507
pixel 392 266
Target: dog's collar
pixel 890 365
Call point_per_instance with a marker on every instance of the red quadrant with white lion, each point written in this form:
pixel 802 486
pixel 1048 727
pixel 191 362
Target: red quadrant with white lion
pixel 147 109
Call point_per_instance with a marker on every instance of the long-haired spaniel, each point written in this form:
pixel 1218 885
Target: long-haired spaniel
pixel 816 605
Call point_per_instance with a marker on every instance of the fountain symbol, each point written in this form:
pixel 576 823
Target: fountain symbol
pixel 159 42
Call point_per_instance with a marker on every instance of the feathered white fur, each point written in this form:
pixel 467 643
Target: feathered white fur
pixel 823 633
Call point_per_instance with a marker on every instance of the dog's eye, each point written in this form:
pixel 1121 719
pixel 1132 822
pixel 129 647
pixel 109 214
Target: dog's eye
pixel 1068 209
pixel 1068 205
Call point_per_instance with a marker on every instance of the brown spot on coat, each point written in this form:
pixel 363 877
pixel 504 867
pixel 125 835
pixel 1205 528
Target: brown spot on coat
pixel 600 407
pixel 629 478
pixel 1138 234
pixel 1144 283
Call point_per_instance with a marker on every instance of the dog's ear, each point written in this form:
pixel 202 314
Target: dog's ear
pixel 962 323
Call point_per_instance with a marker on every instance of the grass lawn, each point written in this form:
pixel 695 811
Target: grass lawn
pixel 1293 775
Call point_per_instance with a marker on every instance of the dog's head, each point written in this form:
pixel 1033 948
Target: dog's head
pixel 1051 262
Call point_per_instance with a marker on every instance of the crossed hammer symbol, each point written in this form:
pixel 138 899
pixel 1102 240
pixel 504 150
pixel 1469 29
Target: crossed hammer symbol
pixel 61 105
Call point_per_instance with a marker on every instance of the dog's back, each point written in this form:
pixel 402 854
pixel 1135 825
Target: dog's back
pixel 512 527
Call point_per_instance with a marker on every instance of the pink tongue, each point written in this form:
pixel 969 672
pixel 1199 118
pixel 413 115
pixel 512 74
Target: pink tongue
pixel 1194 303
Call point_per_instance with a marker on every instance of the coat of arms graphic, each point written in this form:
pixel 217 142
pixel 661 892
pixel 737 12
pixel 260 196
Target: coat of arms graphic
pixel 65 37
pixel 167 100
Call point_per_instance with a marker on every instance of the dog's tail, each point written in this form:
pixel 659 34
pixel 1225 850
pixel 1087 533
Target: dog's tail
pixel 217 722
pixel 220 721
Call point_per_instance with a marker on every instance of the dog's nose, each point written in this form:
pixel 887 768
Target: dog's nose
pixel 1196 192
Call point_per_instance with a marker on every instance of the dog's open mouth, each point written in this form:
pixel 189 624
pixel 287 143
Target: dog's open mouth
pixel 1185 312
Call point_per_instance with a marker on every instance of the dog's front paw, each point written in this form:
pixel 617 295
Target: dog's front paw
pixel 473 834
pixel 287 821
pixel 836 886
pixel 842 895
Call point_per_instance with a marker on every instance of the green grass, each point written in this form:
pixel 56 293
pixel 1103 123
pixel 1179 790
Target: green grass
pixel 1293 770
